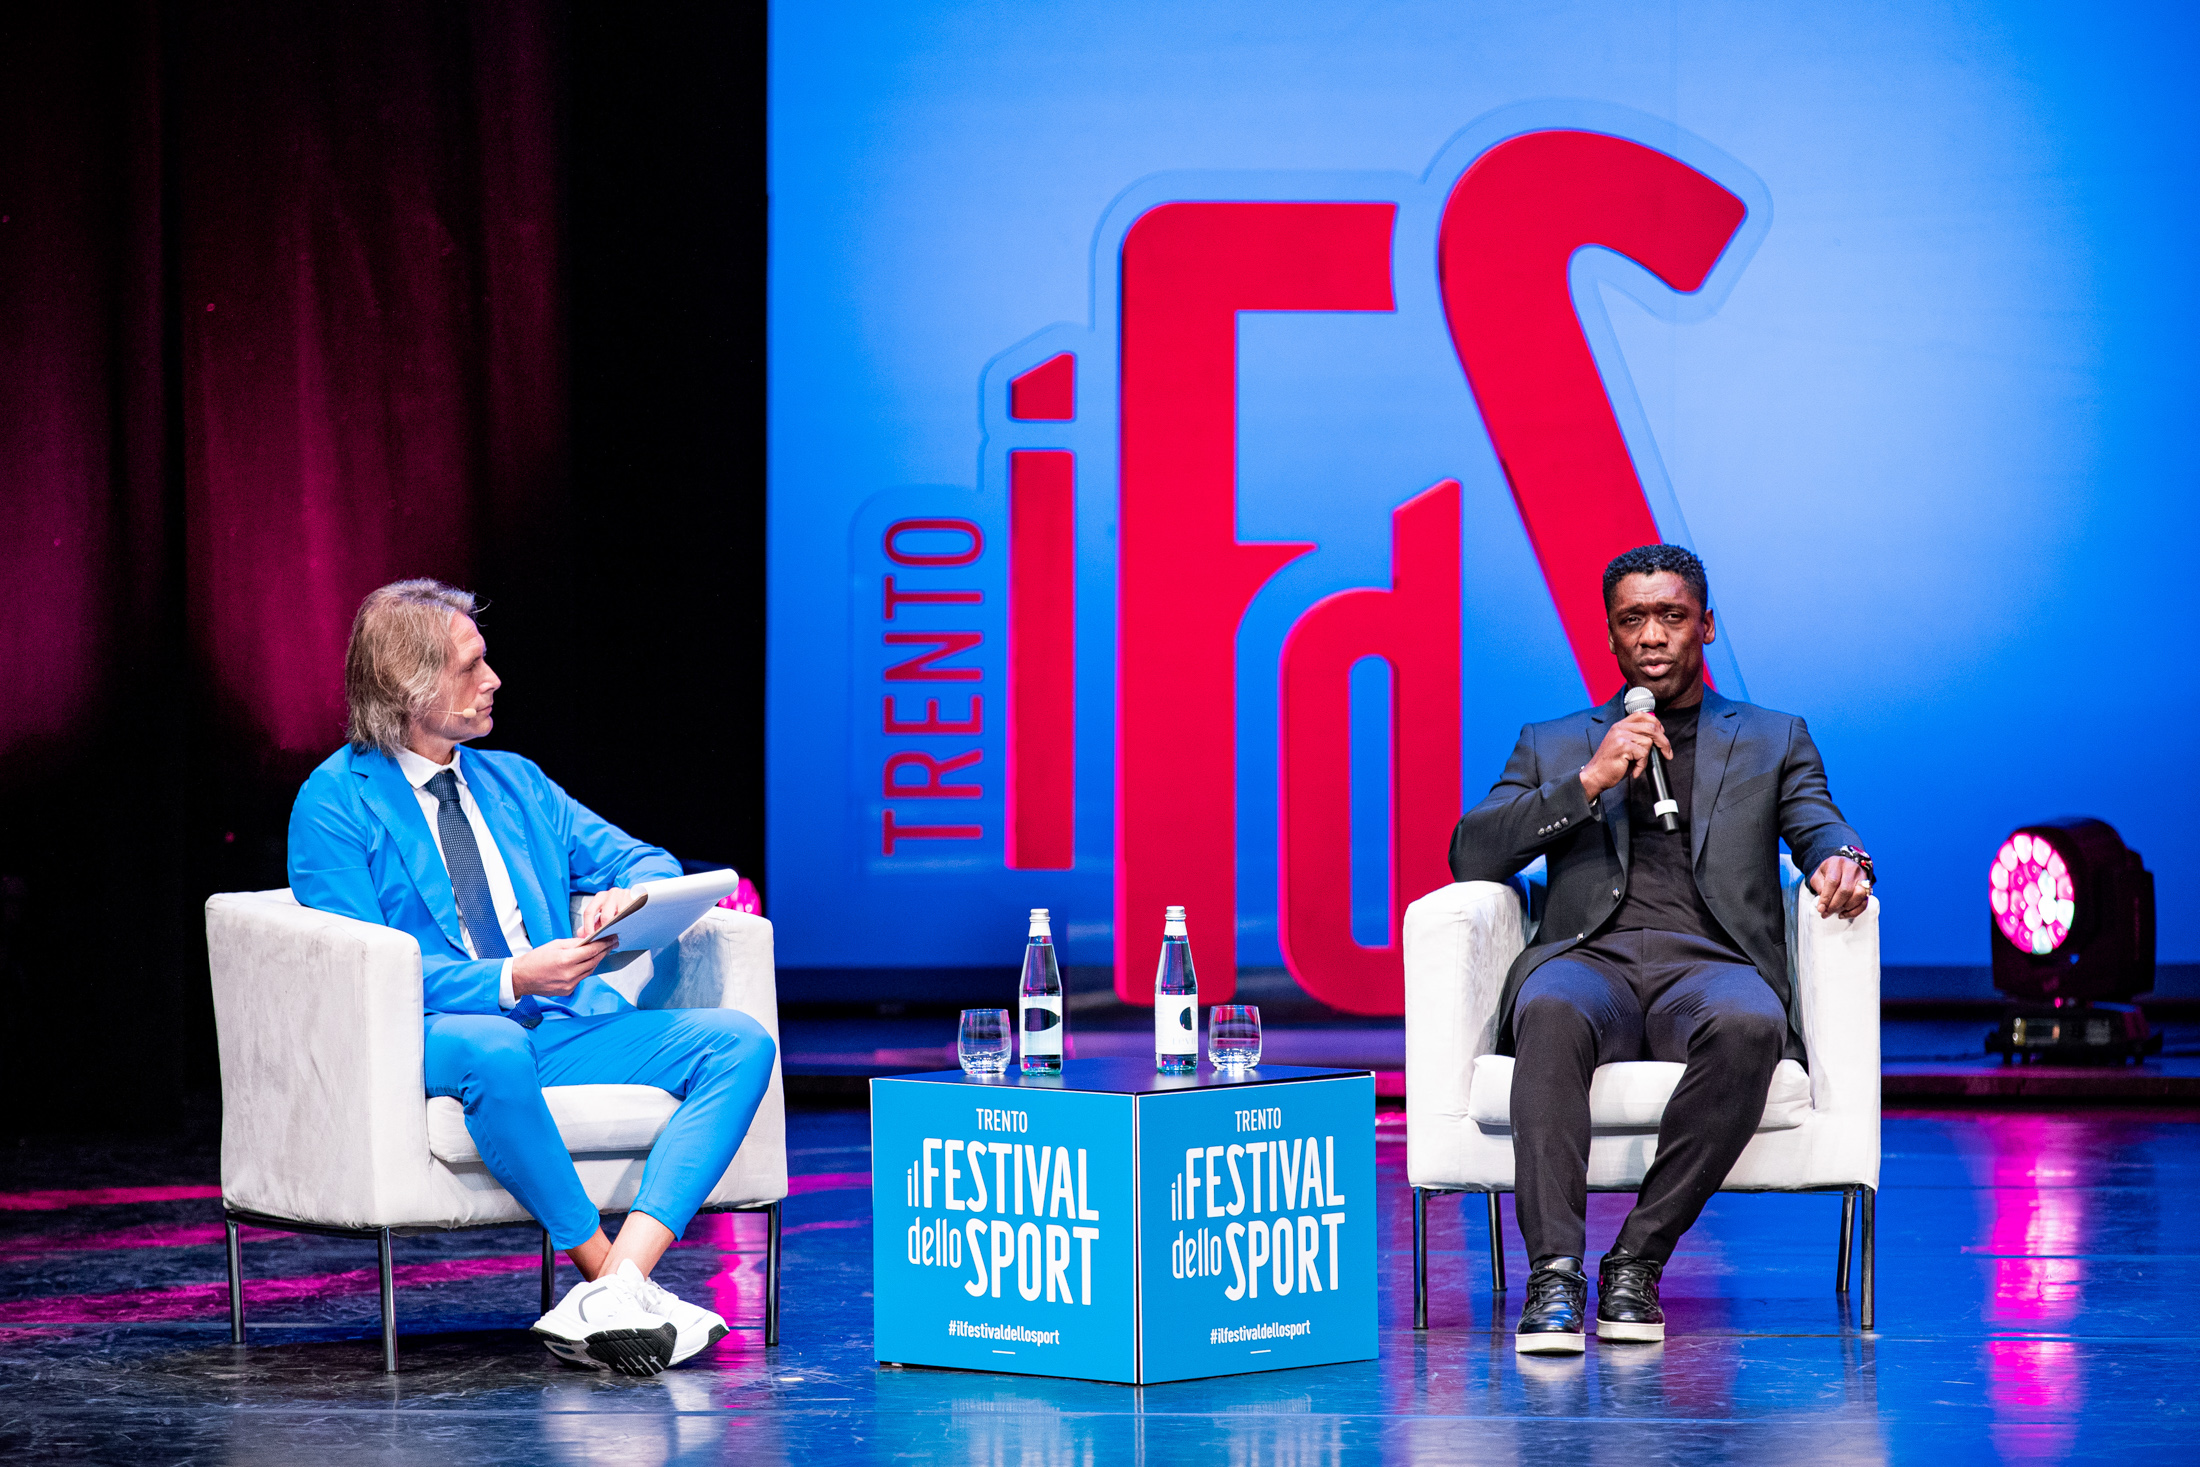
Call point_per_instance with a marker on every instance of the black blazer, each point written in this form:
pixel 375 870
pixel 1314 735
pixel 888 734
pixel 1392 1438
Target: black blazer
pixel 1759 780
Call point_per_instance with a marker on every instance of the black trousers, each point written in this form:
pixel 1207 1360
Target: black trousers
pixel 1629 996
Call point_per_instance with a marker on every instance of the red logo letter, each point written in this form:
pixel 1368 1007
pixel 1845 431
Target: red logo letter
pixel 1511 229
pixel 1042 660
pixel 1415 625
pixel 1185 577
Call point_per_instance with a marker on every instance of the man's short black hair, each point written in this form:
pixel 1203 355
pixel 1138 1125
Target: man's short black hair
pixel 1648 560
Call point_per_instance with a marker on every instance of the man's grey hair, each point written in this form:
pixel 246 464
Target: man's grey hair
pixel 394 667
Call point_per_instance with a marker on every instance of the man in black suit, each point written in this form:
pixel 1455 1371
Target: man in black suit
pixel 1654 944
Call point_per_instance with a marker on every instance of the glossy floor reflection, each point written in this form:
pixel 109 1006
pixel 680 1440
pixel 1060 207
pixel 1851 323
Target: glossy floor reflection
pixel 2032 1272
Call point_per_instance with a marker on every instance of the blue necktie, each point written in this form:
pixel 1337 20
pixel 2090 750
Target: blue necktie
pixel 469 880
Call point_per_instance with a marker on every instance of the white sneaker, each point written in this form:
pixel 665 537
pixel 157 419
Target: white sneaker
pixel 698 1327
pixel 605 1325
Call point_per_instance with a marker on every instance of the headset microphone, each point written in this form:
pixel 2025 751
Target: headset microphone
pixel 1667 809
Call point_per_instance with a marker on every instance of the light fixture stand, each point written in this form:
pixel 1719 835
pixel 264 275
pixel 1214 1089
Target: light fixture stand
pixel 2072 1032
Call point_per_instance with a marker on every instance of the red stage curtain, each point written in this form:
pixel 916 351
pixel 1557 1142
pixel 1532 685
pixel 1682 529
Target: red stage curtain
pixel 81 431
pixel 280 320
pixel 367 258
pixel 363 366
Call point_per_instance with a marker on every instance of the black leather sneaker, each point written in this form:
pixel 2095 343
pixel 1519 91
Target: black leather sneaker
pixel 1627 1299
pixel 1558 1304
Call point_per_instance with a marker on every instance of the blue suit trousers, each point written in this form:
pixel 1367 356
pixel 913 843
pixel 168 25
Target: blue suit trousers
pixel 717 1061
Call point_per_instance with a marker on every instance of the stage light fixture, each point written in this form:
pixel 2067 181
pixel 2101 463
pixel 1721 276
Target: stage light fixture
pixel 2072 928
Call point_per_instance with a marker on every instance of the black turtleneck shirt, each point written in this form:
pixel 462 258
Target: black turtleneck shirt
pixel 1661 876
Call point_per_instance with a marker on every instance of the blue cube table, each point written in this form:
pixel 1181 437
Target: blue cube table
pixel 1111 1223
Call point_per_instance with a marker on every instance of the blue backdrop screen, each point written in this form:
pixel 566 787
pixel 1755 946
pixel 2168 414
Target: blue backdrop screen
pixel 1924 422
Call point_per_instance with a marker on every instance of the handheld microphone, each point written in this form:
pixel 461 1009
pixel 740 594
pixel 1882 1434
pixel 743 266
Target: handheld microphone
pixel 1667 809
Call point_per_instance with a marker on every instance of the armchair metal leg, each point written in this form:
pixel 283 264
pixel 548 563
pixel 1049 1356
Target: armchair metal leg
pixel 389 1303
pixel 1420 1258
pixel 236 1285
pixel 1869 1314
pixel 1848 1240
pixel 1497 1246
pixel 771 1276
pixel 549 1272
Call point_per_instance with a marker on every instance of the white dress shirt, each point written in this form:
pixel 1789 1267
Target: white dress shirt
pixel 418 771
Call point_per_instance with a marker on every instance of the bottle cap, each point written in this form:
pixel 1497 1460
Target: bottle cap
pixel 1038 914
pixel 1174 914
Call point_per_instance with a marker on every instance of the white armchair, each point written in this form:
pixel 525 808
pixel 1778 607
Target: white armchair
pixel 326 1122
pixel 1820 1130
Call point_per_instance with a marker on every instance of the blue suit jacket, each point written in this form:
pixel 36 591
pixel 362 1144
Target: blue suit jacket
pixel 360 846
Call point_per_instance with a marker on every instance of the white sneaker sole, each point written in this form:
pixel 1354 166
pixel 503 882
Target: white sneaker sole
pixel 1547 1342
pixel 717 1333
pixel 1626 1332
pixel 636 1352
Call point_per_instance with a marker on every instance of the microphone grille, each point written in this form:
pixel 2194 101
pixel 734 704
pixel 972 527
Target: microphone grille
pixel 1641 700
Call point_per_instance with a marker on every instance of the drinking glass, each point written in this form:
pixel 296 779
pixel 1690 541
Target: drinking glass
pixel 984 1041
pixel 1233 1036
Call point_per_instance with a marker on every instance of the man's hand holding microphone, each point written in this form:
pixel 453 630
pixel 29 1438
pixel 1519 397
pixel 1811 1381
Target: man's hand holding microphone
pixel 1625 752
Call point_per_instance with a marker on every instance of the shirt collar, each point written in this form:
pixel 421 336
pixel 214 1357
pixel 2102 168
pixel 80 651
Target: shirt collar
pixel 418 771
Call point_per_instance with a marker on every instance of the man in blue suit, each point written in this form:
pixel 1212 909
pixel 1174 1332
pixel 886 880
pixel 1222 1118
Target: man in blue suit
pixel 476 853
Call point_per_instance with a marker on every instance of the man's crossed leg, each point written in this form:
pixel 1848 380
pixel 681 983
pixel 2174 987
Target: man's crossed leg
pixel 718 1062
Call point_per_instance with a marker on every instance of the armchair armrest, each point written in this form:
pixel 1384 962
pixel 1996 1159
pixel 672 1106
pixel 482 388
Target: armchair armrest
pixel 317 1018
pixel 1836 975
pixel 1459 941
pixel 724 961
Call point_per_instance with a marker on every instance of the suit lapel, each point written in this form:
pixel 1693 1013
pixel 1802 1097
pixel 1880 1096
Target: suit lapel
pixel 1614 800
pixel 1715 730
pixel 508 827
pixel 393 802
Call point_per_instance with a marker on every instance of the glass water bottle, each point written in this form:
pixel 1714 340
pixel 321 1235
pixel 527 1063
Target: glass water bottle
pixel 1039 1001
pixel 1175 1001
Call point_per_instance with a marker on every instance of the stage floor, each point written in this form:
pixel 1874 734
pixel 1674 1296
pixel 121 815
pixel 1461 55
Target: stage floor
pixel 1937 1060
pixel 2032 1306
